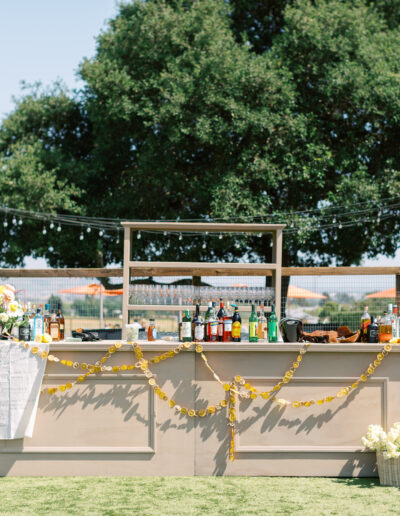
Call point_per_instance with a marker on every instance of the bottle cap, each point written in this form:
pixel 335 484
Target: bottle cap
pixel 365 308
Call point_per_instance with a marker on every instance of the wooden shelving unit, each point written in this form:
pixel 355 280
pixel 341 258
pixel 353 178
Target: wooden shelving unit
pixel 137 268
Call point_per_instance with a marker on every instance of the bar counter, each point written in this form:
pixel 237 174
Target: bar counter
pixel 114 424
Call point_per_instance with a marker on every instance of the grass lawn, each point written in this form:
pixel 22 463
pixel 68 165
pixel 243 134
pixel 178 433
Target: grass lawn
pixel 196 496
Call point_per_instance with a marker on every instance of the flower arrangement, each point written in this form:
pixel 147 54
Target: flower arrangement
pixel 11 310
pixel 387 443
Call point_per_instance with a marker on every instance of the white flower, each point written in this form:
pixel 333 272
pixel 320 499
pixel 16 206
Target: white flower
pixel 3 317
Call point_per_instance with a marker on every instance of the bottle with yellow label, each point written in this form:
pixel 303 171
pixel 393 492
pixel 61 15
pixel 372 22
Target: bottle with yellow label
pixel 253 323
pixel 236 326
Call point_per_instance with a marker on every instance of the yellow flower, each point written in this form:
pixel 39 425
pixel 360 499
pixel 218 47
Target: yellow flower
pixel 13 307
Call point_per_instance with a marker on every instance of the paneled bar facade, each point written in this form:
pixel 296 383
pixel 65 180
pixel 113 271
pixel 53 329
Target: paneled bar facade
pixel 114 424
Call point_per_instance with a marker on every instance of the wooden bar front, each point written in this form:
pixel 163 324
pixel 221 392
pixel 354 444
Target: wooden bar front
pixel 114 424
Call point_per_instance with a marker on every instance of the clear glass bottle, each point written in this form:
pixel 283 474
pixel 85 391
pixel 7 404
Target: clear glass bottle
pixel 152 331
pixel 385 328
pixel 198 326
pixel 395 324
pixel 38 324
pixel 53 326
pixel 262 328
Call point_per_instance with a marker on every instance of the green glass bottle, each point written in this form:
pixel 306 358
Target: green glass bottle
pixel 186 327
pixel 253 321
pixel 273 326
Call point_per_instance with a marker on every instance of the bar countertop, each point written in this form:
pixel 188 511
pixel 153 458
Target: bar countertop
pixel 163 345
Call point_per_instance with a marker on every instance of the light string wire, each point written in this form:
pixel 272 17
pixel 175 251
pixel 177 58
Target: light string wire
pixel 296 225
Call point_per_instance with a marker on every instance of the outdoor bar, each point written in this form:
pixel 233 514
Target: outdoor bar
pixel 165 407
pixel 115 424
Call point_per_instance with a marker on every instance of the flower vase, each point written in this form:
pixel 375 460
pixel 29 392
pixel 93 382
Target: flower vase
pixel 389 470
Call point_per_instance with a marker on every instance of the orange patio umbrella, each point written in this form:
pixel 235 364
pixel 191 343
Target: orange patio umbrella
pixel 388 293
pixel 302 293
pixel 93 289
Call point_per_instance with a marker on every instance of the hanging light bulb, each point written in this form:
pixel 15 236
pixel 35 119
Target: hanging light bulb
pixel 81 237
pixel 291 224
pixel 51 225
pixel 204 245
pixel 59 228
pixel 334 220
pixel 237 245
pixel 259 234
pixel 139 235
pixel 180 236
pixel 101 233
pixel 88 229
pixel 44 230
pixel 206 233
pixel 220 236
pixel 14 220
pixel 20 222
pixel 118 238
pixel 5 223
pixel 340 225
pixel 165 233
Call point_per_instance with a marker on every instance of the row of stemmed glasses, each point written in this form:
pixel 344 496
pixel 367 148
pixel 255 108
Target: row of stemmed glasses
pixel 185 295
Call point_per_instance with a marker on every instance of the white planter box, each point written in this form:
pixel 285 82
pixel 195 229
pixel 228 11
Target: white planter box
pixel 389 470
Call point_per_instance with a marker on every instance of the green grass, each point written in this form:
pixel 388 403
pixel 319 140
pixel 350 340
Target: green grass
pixel 164 496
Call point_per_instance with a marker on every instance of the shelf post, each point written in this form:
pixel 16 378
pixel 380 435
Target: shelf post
pixel 127 272
pixel 277 272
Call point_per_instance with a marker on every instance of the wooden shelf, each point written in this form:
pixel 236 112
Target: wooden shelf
pixel 212 227
pixel 197 269
pixel 200 269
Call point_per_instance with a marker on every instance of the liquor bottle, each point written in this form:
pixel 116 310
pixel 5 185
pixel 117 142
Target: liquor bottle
pixel 24 330
pixel 61 320
pixel 262 327
pixel 198 324
pixel 385 328
pixel 186 327
pixel 373 332
pixel 365 321
pixel 227 336
pixel 207 318
pixel 221 314
pixel 236 326
pixel 53 326
pixel 46 317
pixel 395 330
pixel 152 331
pixel 273 326
pixel 212 326
pixel 38 324
pixel 31 316
pixel 253 325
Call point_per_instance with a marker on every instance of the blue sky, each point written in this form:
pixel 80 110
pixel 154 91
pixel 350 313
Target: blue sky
pixel 42 40
pixel 45 40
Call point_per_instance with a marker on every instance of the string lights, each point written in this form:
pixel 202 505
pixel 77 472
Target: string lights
pixel 324 219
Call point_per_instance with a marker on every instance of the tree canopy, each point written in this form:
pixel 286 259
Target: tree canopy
pixel 206 109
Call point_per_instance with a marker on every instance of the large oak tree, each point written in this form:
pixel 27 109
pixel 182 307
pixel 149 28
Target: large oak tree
pixel 205 109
